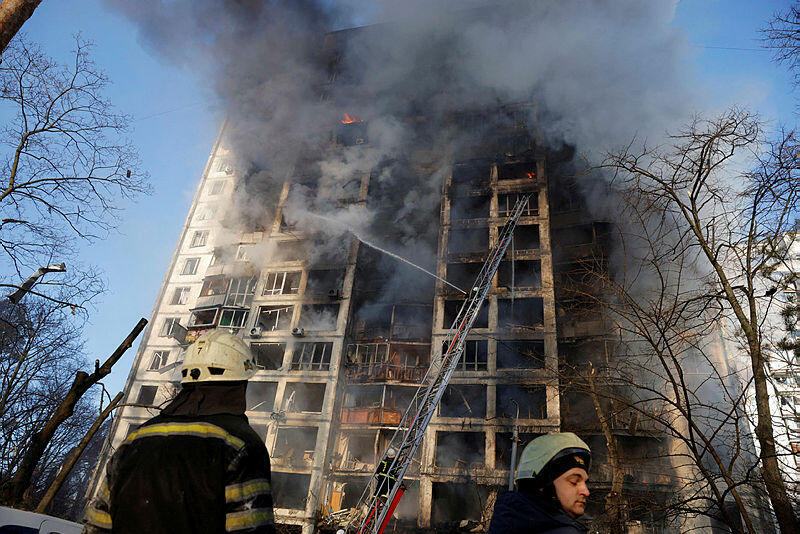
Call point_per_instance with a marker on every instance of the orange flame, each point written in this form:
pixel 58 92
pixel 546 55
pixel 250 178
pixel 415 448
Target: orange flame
pixel 349 120
pixel 531 175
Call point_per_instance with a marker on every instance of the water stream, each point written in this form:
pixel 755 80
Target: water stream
pixel 381 249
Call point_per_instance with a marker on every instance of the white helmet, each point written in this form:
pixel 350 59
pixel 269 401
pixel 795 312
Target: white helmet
pixel 391 453
pixel 217 356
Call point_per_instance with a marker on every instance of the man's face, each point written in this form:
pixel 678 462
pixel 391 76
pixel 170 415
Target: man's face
pixel 572 492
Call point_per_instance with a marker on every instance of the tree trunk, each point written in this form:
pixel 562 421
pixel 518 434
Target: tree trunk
pixel 73 458
pixel 613 505
pixel 776 487
pixel 13 14
pixel 14 491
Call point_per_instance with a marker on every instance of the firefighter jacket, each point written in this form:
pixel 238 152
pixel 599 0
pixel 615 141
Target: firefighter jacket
pixel 386 478
pixel 193 469
pixel 522 514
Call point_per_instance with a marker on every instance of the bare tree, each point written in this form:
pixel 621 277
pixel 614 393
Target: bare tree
pixel 705 213
pixel 66 163
pixel 13 14
pixel 782 36
pixel 37 362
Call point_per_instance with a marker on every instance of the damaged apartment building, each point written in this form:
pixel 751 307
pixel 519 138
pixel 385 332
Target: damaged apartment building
pixel 341 338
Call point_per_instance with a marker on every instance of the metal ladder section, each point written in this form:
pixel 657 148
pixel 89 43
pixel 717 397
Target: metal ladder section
pixel 411 430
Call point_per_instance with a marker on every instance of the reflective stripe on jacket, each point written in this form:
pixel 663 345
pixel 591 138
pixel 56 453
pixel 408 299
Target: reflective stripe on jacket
pixel 179 474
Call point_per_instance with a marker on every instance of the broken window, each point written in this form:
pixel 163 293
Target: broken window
pixel 471 175
pixel 214 285
pixel 470 207
pixel 520 313
pixel 506 203
pixel 373 321
pixel 294 446
pixel 147 395
pixel 454 502
pixel 451 309
pixel 502 447
pixel 282 283
pixel 463 275
pixel 463 400
pixel 376 405
pixel 223 166
pixel 199 238
pixel 526 237
pixel 303 397
pixel 571 236
pixel 525 274
pixel 203 318
pixel 468 241
pixel 325 282
pixel 352 133
pixel 311 356
pixel 216 188
pixel 159 360
pixel 290 490
pixel 517 171
pixel 241 292
pixel 383 361
pixel 460 449
pixel 288 224
pixel 190 266
pixel 474 357
pixel 180 296
pixel 272 318
pixel 521 354
pixel 233 319
pixel 531 400
pixel 261 396
pixel 290 251
pixel 268 355
pixel 168 326
pixel 242 252
pixel 411 322
pixel 314 317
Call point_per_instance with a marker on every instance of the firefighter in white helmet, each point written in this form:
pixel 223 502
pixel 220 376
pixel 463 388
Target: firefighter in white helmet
pixel 551 489
pixel 198 467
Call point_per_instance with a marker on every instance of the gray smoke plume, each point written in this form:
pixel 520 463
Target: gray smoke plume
pixel 599 72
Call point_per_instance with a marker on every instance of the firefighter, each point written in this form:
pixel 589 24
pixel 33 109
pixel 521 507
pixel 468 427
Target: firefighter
pixel 551 488
pixel 386 475
pixel 198 467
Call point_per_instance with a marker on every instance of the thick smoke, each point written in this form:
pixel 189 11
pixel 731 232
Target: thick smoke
pixel 599 73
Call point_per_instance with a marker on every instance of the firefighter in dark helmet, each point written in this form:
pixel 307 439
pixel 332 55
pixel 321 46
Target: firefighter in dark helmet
pixel 198 467
pixel 550 491
pixel 386 475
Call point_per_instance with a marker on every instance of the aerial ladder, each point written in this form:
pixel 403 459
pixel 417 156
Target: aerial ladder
pixel 410 432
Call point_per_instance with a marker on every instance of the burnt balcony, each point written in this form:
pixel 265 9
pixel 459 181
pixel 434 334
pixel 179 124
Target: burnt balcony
pixel 378 362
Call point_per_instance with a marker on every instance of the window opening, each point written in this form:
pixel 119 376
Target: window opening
pixel 282 283
pixel 159 360
pixel 273 318
pixel 199 239
pixel 312 356
pixel 190 267
pixel 241 292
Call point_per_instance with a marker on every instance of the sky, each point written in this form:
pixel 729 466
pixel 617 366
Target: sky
pixel 176 118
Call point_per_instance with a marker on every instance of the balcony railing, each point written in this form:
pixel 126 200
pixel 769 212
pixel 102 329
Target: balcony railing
pixel 376 372
pixel 371 415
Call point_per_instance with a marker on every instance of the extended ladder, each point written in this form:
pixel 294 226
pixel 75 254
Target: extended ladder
pixel 411 430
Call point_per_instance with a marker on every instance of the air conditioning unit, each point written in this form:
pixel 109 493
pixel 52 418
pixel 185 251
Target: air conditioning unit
pixel 256 331
pixel 298 332
pixel 334 294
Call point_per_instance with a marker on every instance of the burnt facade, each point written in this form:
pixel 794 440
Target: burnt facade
pixel 343 333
